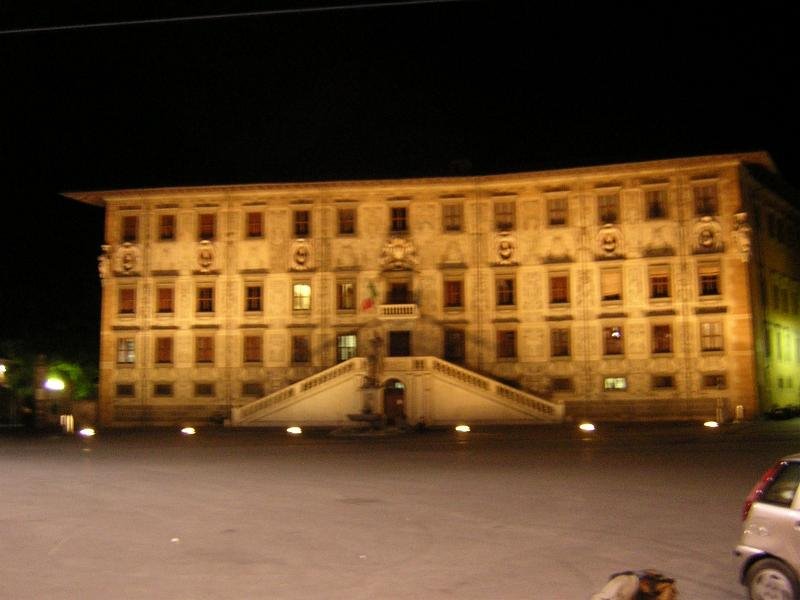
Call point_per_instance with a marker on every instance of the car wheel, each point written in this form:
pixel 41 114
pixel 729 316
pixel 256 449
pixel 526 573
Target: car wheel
pixel 770 579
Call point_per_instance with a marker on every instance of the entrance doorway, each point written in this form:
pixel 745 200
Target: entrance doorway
pixel 399 343
pixel 399 292
pixel 394 397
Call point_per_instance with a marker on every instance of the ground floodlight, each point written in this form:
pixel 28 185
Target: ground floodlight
pixel 463 428
pixel 188 431
pixel 294 430
pixel 586 426
pixel 86 432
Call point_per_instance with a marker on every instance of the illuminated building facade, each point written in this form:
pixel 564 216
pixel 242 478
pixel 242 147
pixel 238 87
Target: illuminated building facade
pixel 664 289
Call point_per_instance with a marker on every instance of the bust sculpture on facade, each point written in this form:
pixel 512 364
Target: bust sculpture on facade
pixel 104 261
pixel 205 256
pixel 708 235
pixel 609 241
pixel 505 249
pixel 127 256
pixel 741 235
pixel 301 256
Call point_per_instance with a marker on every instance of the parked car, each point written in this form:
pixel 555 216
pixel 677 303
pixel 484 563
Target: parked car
pixel 781 413
pixel 769 549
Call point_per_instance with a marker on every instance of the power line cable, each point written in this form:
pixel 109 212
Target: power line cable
pixel 256 13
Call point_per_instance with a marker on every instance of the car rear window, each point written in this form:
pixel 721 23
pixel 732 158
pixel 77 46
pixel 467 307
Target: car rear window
pixel 784 486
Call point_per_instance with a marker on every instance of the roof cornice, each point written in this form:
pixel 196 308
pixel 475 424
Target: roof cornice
pixel 100 197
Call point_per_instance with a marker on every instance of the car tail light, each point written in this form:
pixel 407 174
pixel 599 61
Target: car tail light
pixel 758 490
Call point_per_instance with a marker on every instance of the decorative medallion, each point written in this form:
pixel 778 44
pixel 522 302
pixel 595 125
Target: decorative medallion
pixel 741 234
pixel 609 241
pixel 506 248
pixel 301 255
pixel 206 255
pixel 708 235
pixel 398 253
pixel 127 258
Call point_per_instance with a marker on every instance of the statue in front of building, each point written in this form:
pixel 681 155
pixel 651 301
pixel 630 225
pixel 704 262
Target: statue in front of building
pixel 374 361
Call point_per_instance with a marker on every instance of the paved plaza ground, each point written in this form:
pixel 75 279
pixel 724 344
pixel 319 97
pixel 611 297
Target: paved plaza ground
pixel 540 512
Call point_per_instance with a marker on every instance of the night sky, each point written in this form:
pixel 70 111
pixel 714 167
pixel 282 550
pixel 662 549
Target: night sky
pixel 421 89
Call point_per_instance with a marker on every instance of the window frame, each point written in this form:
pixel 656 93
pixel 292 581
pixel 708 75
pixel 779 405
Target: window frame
pixel 560 342
pixel 656 197
pixel 167 227
pixel 506 345
pixel 505 290
pixel 200 390
pixel 253 302
pixel 454 337
pixel 453 293
pixel 204 349
pixel 554 299
pixel 558 212
pixel 121 389
pixel 714 381
pixel 661 338
pixel 613 345
pixel 252 389
pixel 164 350
pixel 301 349
pixel 452 217
pixel 346 295
pixel 615 383
pixel 301 301
pixel 253 224
pixel 705 271
pixel 205 300
pixel 165 299
pixel 126 300
pixel 507 209
pixel 609 277
pixel 398 219
pixel 301 222
pixel 659 280
pixel 712 336
pixel 126 351
pixel 567 386
pixel 656 379
pixel 252 349
pixel 705 205
pixel 206 226
pixel 608 205
pixel 346 219
pixel 129 229
pixel 346 351
pixel 163 389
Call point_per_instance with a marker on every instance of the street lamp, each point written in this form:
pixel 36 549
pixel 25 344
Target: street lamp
pixel 55 384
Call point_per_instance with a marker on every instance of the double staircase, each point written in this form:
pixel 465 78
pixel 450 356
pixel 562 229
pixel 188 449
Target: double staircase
pixel 435 392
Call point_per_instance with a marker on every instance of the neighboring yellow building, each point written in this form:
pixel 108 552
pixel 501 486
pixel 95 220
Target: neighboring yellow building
pixel 664 289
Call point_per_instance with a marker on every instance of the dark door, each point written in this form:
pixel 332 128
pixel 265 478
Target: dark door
pixel 394 402
pixel 399 343
pixel 399 293
pixel 454 345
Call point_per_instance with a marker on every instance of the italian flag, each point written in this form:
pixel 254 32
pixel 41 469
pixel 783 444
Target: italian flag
pixel 368 303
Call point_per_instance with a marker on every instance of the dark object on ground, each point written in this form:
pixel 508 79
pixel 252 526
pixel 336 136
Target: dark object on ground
pixel 639 585
pixel 779 413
